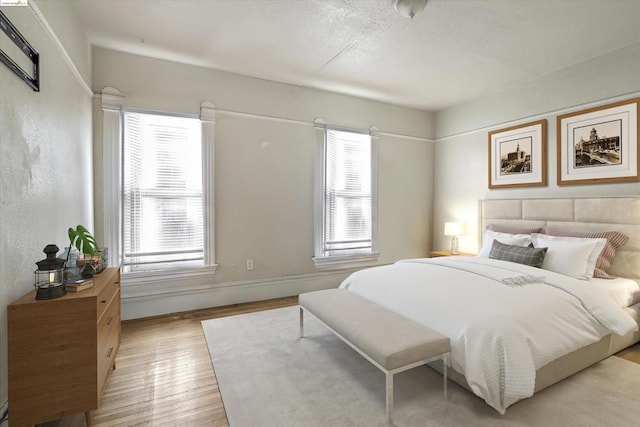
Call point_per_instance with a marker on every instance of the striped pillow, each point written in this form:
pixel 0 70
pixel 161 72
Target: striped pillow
pixel 520 254
pixel 615 239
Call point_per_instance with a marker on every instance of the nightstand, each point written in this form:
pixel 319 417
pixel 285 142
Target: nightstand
pixel 435 254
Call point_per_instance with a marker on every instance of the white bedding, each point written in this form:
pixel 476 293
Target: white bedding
pixel 625 292
pixel 500 334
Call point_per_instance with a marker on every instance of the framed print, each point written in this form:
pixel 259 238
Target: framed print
pixel 599 145
pixel 517 156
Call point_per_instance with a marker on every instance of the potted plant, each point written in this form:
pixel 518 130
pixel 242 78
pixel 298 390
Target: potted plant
pixel 84 241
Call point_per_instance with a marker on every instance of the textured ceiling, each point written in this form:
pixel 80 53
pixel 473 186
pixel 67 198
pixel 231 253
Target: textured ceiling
pixel 452 52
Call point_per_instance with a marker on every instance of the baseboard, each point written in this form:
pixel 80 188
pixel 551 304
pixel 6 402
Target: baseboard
pixel 141 301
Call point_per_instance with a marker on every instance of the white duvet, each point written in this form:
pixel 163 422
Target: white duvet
pixel 500 334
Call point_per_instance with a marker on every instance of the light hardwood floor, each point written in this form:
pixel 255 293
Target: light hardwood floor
pixel 163 374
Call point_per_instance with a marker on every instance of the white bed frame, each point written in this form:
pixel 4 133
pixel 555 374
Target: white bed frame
pixel 578 214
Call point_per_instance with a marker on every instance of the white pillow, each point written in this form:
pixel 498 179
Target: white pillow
pixel 571 256
pixel 506 238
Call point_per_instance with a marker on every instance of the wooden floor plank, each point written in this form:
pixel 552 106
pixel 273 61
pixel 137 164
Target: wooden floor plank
pixel 164 375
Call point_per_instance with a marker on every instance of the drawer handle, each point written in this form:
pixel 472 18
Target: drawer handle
pixel 110 351
pixel 109 320
pixel 104 301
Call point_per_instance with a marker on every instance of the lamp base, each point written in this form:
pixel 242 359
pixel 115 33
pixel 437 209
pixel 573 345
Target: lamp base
pixel 55 290
pixel 454 246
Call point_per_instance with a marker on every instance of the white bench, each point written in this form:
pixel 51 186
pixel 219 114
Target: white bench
pixel 393 343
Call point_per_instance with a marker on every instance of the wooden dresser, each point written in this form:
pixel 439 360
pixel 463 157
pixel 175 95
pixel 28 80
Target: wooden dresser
pixel 62 350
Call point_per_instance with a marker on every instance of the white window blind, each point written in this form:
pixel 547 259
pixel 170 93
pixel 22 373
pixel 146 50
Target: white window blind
pixel 347 193
pixel 162 217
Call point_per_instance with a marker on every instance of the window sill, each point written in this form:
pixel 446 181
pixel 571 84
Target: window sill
pixel 346 261
pixel 138 277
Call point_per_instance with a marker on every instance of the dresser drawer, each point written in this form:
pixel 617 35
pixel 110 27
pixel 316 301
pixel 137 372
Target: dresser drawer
pixel 110 316
pixel 108 340
pixel 106 294
pixel 106 358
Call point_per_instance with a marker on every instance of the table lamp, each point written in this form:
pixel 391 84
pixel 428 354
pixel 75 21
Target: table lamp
pixel 454 229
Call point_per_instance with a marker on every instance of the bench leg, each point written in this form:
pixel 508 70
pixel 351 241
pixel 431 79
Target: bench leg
pixel 389 398
pixel 445 363
pixel 301 322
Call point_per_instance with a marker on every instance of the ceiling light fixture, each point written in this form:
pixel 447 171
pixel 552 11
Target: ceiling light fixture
pixel 409 8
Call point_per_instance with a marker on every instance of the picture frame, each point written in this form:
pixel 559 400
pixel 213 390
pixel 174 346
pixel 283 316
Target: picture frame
pixel 517 156
pixel 599 145
pixel 32 59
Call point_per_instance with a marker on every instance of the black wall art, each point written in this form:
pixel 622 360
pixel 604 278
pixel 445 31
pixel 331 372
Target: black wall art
pixel 33 78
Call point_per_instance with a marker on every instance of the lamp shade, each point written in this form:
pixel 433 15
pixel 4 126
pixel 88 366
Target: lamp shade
pixel 409 8
pixel 454 228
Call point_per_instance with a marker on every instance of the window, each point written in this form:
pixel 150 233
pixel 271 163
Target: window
pixel 162 192
pixel 346 227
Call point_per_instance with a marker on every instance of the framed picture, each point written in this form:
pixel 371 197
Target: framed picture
pixel 599 145
pixel 517 156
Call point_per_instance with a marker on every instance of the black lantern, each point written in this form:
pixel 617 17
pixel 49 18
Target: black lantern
pixel 49 277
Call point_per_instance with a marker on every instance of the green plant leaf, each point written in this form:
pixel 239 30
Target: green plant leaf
pixel 83 240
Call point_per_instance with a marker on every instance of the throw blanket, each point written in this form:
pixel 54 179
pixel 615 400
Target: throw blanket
pixel 502 328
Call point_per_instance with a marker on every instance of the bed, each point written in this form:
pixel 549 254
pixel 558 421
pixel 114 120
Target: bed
pixel 517 329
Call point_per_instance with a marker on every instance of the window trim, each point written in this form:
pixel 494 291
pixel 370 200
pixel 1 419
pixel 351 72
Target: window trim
pixel 352 259
pixel 170 266
pixel 112 102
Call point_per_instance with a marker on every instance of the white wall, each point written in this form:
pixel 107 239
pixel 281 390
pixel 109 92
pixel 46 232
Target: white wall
pixel 461 153
pixel 264 159
pixel 45 163
pixel 66 26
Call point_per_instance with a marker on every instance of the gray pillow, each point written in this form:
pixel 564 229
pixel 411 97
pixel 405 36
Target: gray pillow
pixel 520 254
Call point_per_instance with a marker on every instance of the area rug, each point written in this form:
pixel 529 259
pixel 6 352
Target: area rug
pixel 268 376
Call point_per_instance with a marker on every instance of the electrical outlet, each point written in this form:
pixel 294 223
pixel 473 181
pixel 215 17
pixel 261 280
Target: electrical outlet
pixel 249 264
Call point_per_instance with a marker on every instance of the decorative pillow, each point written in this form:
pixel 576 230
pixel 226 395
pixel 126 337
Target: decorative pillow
pixel 514 230
pixel 522 255
pixel 506 238
pixel 571 256
pixel 615 239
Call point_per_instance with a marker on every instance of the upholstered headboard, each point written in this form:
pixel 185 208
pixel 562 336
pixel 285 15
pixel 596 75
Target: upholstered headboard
pixel 577 214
